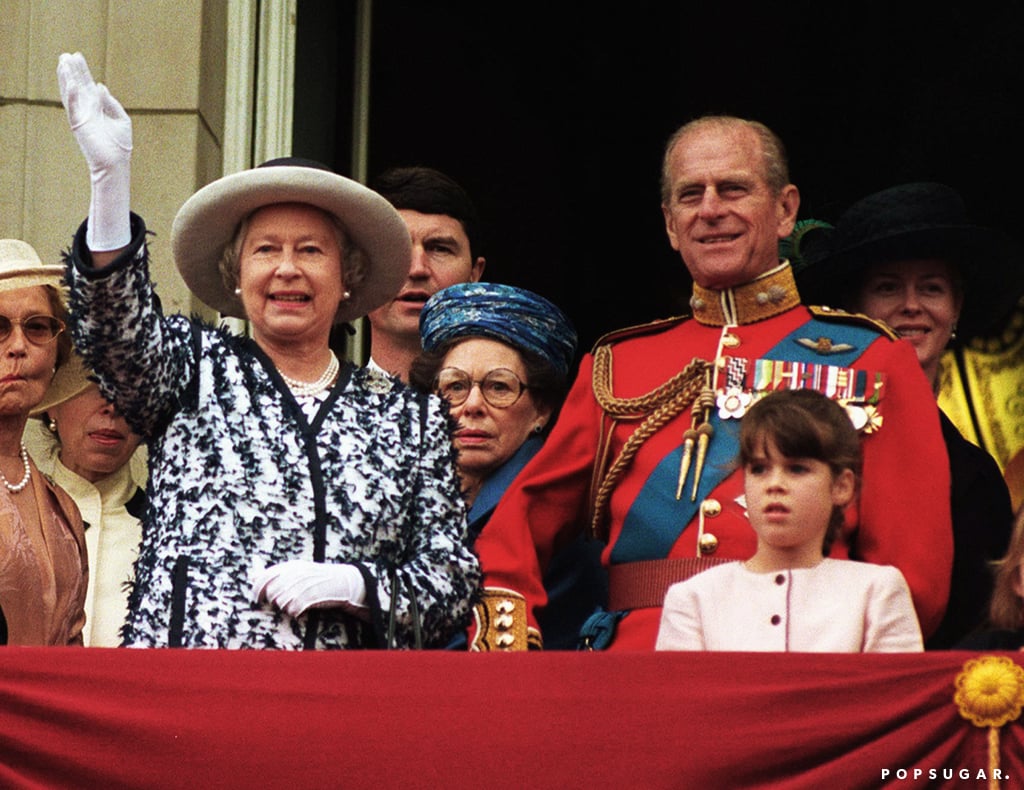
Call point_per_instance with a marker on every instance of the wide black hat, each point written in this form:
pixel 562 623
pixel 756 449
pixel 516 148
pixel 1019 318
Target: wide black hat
pixel 914 221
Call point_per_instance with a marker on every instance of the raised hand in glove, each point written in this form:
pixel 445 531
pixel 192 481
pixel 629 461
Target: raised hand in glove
pixel 104 133
pixel 297 585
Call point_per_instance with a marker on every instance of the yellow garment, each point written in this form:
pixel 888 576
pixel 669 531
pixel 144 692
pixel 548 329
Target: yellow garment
pixel 993 385
pixel 112 540
pixel 112 535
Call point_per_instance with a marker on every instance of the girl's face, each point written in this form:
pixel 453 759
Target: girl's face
pixel 790 500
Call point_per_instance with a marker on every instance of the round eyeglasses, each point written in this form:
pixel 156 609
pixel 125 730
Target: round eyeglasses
pixel 38 329
pixel 500 387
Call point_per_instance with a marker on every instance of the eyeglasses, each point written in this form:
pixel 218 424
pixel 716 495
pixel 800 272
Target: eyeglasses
pixel 38 329
pixel 500 387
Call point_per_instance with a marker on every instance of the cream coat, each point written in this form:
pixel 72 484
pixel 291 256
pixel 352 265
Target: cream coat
pixel 838 606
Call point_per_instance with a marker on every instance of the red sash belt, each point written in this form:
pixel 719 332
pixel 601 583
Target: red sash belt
pixel 636 585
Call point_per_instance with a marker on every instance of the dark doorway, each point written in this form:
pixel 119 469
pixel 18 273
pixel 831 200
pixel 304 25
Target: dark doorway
pixel 554 118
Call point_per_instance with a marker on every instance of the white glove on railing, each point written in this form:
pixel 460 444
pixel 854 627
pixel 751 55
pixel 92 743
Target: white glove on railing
pixel 297 585
pixel 104 133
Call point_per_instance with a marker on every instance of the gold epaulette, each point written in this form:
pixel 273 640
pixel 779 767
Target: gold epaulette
pixel 842 316
pixel 650 328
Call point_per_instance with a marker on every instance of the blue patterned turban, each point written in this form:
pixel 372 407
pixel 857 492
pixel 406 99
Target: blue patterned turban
pixel 514 316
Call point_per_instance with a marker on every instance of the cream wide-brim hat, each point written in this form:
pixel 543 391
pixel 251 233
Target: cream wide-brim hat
pixel 71 379
pixel 20 267
pixel 208 221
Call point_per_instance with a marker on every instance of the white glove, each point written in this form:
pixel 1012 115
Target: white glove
pixel 104 133
pixel 297 585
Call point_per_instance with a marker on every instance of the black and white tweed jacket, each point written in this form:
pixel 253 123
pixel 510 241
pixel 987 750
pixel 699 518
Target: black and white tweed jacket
pixel 240 479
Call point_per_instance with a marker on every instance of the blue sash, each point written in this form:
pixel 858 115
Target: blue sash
pixel 495 486
pixel 656 518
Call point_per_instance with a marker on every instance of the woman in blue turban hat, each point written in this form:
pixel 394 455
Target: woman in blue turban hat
pixel 501 356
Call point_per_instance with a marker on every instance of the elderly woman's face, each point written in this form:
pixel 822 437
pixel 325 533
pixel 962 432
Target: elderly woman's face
pixel 290 274
pixel 487 436
pixel 26 367
pixel 95 441
pixel 919 299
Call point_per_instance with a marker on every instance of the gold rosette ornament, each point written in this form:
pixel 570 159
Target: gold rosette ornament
pixel 990 693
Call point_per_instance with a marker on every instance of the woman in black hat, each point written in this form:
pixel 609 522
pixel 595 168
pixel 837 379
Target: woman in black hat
pixel 294 500
pixel 908 256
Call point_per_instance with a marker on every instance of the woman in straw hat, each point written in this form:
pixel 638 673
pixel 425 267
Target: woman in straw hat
pixel 81 442
pixel 293 500
pixel 909 256
pixel 43 567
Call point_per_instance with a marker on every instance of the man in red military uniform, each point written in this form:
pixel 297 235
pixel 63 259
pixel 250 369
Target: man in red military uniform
pixel 643 450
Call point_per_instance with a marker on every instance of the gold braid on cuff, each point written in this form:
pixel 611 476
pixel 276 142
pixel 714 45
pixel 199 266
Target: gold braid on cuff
pixel 501 622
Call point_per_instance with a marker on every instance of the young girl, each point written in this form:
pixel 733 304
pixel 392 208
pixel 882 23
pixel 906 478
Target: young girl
pixel 801 460
pixel 1006 612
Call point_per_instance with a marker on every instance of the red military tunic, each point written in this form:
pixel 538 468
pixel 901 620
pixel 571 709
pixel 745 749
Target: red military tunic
pixel 902 517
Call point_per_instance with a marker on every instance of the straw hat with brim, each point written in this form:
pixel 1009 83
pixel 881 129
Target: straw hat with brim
pixel 71 379
pixel 911 222
pixel 209 219
pixel 20 267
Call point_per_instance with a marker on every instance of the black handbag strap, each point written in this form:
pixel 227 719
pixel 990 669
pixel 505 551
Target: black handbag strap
pixel 398 578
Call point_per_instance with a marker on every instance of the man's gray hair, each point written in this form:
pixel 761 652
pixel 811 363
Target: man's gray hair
pixel 776 165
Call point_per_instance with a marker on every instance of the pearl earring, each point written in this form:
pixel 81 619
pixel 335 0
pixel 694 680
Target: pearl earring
pixel 52 425
pixel 238 292
pixel 346 295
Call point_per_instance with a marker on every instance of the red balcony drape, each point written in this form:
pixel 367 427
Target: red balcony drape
pixel 109 718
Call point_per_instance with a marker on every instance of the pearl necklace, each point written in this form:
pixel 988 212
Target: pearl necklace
pixel 307 388
pixel 14 489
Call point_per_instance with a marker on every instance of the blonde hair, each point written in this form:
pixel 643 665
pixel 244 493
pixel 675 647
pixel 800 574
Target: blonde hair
pixel 1006 611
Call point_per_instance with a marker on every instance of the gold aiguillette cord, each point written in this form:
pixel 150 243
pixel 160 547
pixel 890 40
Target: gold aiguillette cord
pixel 689 440
pixel 697 435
